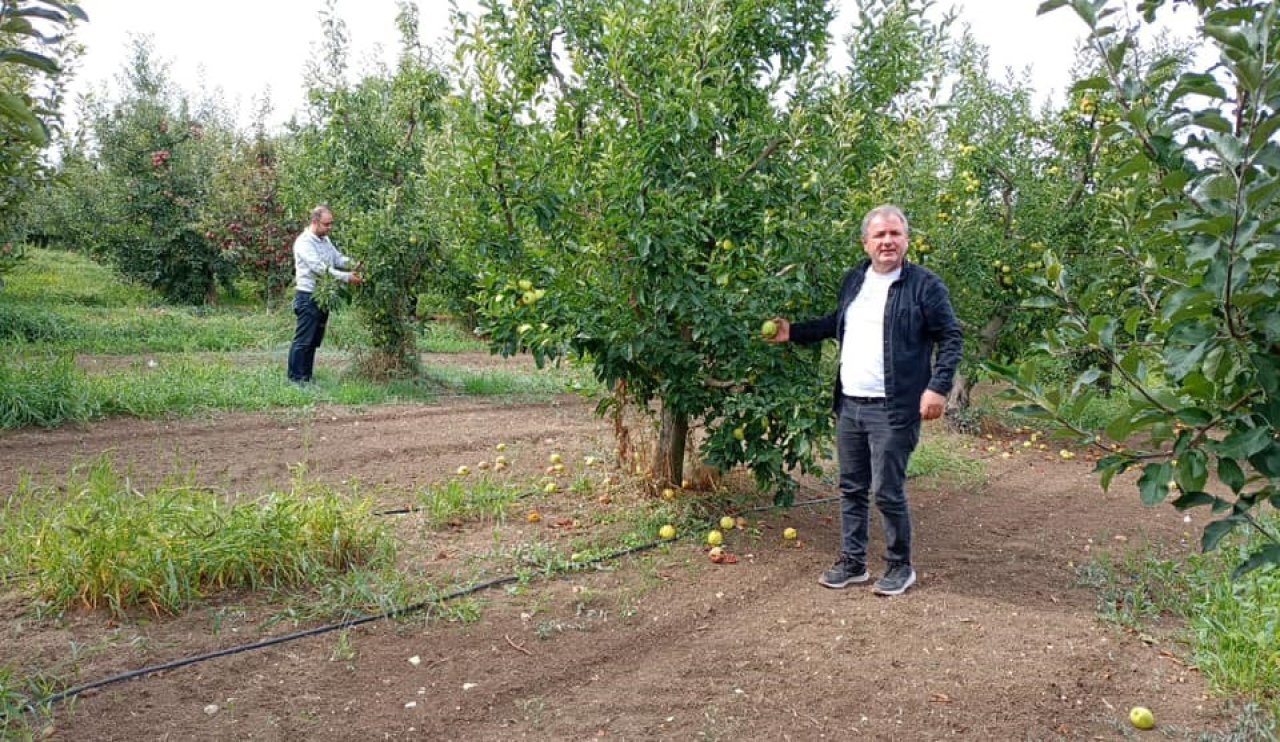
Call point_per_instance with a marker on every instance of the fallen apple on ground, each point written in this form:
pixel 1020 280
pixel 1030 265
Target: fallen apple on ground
pixel 715 538
pixel 789 534
pixel 667 532
pixel 1142 718
pixel 727 523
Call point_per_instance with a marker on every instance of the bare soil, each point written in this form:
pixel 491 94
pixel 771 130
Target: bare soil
pixel 998 641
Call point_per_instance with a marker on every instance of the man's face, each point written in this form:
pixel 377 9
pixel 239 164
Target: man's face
pixel 886 243
pixel 322 226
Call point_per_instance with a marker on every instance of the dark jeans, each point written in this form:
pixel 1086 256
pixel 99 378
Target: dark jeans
pixel 873 458
pixel 307 337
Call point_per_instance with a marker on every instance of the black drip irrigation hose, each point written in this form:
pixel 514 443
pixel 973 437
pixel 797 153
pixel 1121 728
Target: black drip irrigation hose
pixel 352 622
pixel 60 696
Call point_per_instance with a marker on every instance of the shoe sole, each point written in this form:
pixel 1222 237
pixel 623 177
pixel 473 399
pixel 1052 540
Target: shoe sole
pixel 910 581
pixel 864 577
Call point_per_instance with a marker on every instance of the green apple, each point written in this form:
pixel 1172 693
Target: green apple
pixel 667 532
pixel 769 329
pixel 1142 718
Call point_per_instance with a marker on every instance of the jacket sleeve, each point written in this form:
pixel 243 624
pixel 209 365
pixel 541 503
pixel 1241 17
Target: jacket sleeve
pixel 945 330
pixel 814 330
pixel 823 328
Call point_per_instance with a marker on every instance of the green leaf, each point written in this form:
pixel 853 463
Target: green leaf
pixel 1190 500
pixel 1267 555
pixel 1217 530
pixel 1197 83
pixel 1193 416
pixel 1242 444
pixel 1049 5
pixel 1092 83
pixel 15 109
pixel 1231 474
pixel 1193 471
pixel 1040 301
pixel 1154 483
pixel 1267 461
pixel 29 59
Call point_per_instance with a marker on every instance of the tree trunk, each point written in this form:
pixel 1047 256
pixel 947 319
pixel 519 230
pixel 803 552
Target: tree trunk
pixel 668 453
pixel 959 398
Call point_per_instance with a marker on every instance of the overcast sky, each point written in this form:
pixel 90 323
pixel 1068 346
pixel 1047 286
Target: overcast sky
pixel 246 48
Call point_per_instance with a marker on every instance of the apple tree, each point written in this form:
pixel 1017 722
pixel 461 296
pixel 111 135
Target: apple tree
pixel 362 153
pixel 1198 348
pixel 154 147
pixel 663 176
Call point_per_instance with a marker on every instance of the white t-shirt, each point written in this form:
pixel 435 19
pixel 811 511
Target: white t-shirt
pixel 862 347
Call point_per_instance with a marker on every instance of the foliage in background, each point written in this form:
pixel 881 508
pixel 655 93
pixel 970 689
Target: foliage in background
pixel 245 216
pixel 33 59
pixel 1198 348
pixel 156 148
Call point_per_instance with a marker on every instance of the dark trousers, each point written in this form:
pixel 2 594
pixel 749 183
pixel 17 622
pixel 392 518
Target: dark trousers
pixel 307 337
pixel 873 459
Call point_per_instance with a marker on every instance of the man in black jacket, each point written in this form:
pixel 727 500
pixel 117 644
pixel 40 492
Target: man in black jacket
pixel 900 344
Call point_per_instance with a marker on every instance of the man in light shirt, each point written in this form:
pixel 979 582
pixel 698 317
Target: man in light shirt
pixel 891 317
pixel 313 256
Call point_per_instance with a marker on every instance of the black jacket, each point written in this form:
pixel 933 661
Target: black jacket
pixel 918 318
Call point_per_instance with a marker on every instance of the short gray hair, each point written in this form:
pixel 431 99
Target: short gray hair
pixel 323 209
pixel 884 210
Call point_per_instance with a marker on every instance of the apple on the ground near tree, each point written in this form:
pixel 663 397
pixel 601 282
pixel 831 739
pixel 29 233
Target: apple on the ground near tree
pixel 669 494
pixel 463 471
pixel 716 555
pixel 715 538
pixel 789 534
pixel 1142 718
pixel 667 532
pixel 727 523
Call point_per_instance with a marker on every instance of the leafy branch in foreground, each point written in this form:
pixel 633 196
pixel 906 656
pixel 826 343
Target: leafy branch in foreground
pixel 1195 339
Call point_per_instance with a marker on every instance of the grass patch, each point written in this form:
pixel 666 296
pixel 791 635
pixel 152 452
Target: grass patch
pixel 508 383
pixel 58 277
pixel 16 695
pixel 52 391
pixel 106 545
pixel 467 500
pixel 940 458
pixel 1232 627
pixel 447 337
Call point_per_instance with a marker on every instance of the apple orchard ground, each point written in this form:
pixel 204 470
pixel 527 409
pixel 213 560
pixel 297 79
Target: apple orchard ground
pixel 997 642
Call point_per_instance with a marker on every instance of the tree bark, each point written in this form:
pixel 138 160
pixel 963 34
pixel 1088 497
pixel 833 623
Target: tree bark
pixel 959 398
pixel 668 454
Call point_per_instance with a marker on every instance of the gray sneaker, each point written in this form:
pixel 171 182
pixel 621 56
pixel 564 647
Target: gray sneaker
pixel 896 580
pixel 843 573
